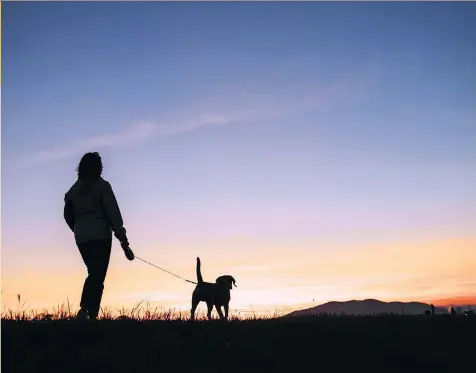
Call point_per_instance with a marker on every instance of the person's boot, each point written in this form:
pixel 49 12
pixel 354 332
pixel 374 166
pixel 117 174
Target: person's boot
pixel 83 314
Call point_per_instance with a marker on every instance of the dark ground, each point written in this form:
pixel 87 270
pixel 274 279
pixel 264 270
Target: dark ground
pixel 324 344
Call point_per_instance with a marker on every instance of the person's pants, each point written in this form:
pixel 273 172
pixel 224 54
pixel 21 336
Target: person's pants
pixel 96 254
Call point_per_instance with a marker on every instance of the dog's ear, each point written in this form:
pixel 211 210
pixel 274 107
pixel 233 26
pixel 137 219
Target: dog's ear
pixel 226 280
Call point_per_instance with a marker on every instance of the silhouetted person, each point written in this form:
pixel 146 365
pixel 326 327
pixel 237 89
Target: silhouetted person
pixel 92 213
pixel 453 311
pixel 432 310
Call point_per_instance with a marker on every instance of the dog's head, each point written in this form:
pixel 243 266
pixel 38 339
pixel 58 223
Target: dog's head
pixel 227 280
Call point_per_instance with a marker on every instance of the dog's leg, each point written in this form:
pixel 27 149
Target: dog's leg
pixel 226 310
pixel 220 313
pixel 209 310
pixel 194 308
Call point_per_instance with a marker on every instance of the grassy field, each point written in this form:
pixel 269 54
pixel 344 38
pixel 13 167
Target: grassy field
pixel 165 343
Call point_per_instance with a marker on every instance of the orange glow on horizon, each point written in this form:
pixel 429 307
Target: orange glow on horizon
pixel 441 272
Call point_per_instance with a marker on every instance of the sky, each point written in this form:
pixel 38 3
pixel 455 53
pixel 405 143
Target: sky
pixel 315 151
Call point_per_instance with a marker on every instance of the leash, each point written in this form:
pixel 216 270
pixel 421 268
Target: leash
pixel 170 273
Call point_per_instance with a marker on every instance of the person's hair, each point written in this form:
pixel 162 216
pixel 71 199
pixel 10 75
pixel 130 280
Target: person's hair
pixel 90 167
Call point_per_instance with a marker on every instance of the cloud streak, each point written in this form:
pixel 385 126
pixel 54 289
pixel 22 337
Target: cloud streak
pixel 246 107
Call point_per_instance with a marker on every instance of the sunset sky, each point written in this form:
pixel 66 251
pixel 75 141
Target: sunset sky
pixel 315 151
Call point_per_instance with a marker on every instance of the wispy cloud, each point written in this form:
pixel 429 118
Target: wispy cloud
pixel 135 133
pixel 244 108
pixel 142 131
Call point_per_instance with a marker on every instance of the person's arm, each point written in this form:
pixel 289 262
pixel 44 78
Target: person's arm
pixel 113 213
pixel 68 213
pixel 115 219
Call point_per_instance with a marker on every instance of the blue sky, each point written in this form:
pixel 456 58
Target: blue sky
pixel 257 121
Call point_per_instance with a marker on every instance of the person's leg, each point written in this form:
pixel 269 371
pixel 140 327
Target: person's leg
pixel 86 249
pixel 98 265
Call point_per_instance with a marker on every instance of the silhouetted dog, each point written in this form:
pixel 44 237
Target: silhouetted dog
pixel 213 294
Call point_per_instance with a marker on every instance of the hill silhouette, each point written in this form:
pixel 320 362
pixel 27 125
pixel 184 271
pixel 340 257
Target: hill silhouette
pixel 368 307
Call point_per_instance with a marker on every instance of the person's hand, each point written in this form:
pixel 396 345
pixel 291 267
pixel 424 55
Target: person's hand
pixel 127 250
pixel 124 244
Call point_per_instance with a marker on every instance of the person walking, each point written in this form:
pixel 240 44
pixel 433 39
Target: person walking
pixel 92 213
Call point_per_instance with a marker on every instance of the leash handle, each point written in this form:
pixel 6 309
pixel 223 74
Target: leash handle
pixel 170 273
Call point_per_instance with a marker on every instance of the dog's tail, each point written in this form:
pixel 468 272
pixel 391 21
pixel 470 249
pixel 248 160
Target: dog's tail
pixel 199 272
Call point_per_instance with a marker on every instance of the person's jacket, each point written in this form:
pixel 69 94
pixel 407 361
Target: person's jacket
pixel 91 211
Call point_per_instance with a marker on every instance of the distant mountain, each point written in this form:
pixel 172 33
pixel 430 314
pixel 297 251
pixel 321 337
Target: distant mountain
pixel 368 307
pixel 462 309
